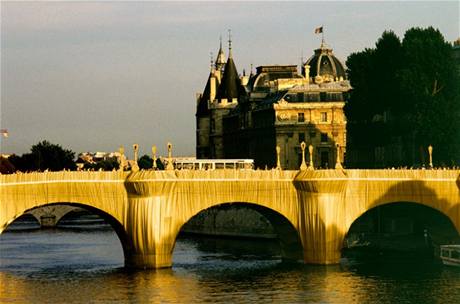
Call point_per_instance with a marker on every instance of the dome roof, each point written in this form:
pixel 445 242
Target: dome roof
pixel 323 63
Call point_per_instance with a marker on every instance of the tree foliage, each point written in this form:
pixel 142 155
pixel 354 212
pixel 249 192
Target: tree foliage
pixel 146 162
pixel 406 93
pixel 104 165
pixel 45 156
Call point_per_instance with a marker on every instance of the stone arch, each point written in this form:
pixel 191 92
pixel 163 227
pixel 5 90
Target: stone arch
pixel 50 215
pixel 116 225
pixel 288 234
pixel 416 210
pixel 416 191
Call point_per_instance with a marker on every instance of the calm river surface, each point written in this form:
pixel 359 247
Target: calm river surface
pixel 86 266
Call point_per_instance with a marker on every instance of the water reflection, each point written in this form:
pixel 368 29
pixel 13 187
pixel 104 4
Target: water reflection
pixel 86 266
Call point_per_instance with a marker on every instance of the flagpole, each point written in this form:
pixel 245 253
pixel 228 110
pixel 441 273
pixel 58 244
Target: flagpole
pixel 322 35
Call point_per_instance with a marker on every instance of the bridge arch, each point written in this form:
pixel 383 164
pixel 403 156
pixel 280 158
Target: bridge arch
pixel 409 221
pixel 116 225
pixel 287 234
pixel 433 195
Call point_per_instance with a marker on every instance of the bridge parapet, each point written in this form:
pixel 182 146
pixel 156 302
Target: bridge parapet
pixel 147 183
pixel 321 181
pixel 61 177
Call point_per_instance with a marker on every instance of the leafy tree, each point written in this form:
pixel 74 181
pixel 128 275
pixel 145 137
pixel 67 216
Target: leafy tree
pixel 405 94
pixel 431 87
pixel 6 167
pixel 45 156
pixel 145 162
pixel 106 165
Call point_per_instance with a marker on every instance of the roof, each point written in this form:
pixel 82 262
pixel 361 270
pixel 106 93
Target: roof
pixel 267 73
pixel 323 62
pixel 202 107
pixel 230 85
pixel 220 60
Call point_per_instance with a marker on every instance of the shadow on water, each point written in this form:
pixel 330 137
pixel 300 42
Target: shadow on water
pixel 397 236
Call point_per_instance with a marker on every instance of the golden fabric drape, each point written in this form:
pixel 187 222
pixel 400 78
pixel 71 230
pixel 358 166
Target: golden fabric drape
pixel 152 206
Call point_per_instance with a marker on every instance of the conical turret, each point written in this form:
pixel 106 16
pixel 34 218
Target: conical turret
pixel 220 60
pixel 230 84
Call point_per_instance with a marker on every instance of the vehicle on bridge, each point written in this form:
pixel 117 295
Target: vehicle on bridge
pixel 212 164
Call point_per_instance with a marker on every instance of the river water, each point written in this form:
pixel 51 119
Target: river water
pixel 86 266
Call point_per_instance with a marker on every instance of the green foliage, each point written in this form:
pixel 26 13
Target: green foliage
pixel 145 162
pixel 104 165
pixel 45 156
pixel 6 167
pixel 405 94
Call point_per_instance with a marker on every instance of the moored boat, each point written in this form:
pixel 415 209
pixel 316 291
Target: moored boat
pixel 450 255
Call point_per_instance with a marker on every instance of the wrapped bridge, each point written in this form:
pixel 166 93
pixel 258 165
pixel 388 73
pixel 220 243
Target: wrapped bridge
pixel 311 210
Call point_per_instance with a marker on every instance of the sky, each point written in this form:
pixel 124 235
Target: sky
pixel 92 76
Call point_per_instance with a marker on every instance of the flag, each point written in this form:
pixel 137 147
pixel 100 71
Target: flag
pixel 4 132
pixel 319 30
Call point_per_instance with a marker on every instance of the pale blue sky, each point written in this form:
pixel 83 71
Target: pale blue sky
pixel 92 76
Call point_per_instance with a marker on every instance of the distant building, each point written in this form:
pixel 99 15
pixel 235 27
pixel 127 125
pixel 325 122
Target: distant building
pixel 248 116
pixel 92 158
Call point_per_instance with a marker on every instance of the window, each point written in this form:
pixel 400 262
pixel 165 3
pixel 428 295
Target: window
pixel 301 117
pixel 213 124
pixel 454 254
pixel 323 96
pixel 300 97
pixel 313 97
pixel 323 116
pixel 312 135
pixel 323 137
pixel 301 137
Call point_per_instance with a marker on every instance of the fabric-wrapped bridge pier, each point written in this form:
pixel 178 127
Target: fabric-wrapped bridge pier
pixel 311 210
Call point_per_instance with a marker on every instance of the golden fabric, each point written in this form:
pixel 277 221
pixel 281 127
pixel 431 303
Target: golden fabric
pixel 152 206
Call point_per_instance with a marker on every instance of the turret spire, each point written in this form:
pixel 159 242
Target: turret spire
pixel 220 60
pixel 212 61
pixel 230 55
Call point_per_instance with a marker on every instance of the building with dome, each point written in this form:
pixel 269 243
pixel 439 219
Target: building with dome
pixel 241 116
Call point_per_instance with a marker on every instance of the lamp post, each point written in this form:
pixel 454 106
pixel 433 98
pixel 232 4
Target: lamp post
pixel 338 165
pixel 121 150
pixel 310 150
pixel 430 152
pixel 303 166
pixel 135 167
pixel 170 162
pixel 278 161
pixel 154 155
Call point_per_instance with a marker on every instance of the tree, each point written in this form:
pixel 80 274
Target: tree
pixel 45 156
pixel 431 87
pixel 6 167
pixel 145 162
pixel 105 165
pixel 405 95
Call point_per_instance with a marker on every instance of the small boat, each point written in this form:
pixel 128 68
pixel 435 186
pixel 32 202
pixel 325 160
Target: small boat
pixel 450 255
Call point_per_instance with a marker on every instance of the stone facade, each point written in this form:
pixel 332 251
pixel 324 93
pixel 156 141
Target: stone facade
pixel 276 106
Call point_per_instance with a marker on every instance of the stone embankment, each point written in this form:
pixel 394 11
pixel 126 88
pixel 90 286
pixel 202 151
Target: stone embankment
pixel 231 221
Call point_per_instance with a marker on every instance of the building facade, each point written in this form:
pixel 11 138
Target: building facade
pixel 248 116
